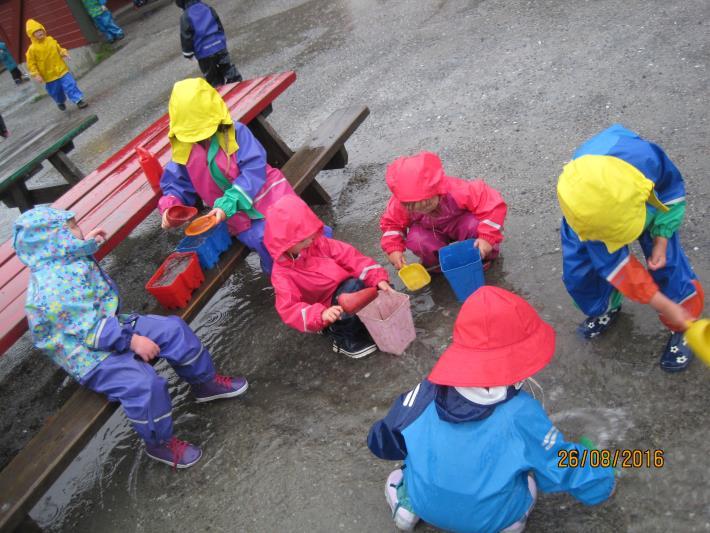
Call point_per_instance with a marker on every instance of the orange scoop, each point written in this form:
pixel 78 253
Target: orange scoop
pixel 352 302
pixel 177 215
pixel 201 225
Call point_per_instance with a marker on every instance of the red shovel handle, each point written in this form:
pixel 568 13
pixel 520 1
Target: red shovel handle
pixel 352 302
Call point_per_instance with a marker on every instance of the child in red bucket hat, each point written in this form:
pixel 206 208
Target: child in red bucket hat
pixel 429 210
pixel 471 416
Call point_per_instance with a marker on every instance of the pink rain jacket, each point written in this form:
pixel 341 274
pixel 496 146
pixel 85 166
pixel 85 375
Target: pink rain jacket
pixel 305 285
pixel 419 177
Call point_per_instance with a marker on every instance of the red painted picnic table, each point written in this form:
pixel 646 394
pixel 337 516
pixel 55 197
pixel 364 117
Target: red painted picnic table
pixel 117 196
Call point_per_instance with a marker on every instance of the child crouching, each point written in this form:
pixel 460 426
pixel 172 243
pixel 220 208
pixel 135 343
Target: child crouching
pixel 471 416
pixel 429 210
pixel 72 310
pixel 309 273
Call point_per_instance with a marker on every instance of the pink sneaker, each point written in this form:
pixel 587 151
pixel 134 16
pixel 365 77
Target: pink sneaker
pixel 175 452
pixel 220 387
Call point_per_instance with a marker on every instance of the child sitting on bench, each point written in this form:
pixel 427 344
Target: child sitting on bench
pixel 429 210
pixel 311 270
pixel 72 310
pixel 476 447
pixel 220 161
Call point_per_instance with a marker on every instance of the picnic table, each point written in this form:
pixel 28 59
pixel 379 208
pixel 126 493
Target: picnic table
pixel 22 156
pixel 117 197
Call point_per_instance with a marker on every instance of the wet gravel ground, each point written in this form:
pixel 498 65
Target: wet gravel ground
pixel 501 90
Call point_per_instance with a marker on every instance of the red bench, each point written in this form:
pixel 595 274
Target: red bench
pixel 117 197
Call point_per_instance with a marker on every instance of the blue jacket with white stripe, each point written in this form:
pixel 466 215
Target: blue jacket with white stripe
pixel 466 465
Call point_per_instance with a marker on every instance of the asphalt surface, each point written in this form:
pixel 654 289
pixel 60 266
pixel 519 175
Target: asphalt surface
pixel 501 90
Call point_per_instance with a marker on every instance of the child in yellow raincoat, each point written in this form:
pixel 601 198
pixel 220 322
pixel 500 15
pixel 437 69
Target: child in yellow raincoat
pixel 45 61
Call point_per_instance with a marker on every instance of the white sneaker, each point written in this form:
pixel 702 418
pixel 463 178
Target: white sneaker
pixel 404 520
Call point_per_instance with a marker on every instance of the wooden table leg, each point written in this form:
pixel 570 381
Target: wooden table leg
pixel 66 167
pixel 278 153
pixel 21 196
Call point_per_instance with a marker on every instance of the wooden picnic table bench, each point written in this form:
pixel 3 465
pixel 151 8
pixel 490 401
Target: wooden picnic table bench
pixel 117 197
pixel 23 155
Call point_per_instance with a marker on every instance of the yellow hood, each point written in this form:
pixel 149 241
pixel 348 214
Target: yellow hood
pixel 196 111
pixel 603 198
pixel 31 26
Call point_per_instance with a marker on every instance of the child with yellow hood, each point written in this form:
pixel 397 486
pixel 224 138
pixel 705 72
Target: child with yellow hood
pixel 617 189
pixel 221 162
pixel 45 61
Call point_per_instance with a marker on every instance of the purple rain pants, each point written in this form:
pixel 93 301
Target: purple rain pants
pixel 449 223
pixel 123 377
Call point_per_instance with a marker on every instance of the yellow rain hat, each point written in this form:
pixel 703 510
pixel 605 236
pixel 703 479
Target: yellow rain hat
pixel 196 111
pixel 603 198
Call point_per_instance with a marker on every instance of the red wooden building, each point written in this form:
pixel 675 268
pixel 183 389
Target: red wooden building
pixel 65 20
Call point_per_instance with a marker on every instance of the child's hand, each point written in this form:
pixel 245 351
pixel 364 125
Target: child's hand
pixel 38 78
pixel 675 314
pixel 65 54
pixel 164 221
pixel 658 254
pixel 332 314
pixel 397 259
pixel 484 247
pixel 144 348
pixel 384 286
pixel 220 215
pixel 98 234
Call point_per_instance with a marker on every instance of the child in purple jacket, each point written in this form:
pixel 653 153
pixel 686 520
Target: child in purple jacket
pixel 202 36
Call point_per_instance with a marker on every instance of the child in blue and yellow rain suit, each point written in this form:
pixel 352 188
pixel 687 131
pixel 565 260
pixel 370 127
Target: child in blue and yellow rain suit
pixel 104 20
pixel 45 61
pixel 72 310
pixel 476 447
pixel 617 189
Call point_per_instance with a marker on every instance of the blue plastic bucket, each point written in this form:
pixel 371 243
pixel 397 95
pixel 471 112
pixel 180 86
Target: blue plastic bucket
pixel 208 246
pixel 461 264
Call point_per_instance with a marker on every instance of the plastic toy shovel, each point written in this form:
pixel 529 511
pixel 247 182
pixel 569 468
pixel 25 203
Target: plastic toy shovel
pixel 698 338
pixel 352 302
pixel 414 276
pixel 201 225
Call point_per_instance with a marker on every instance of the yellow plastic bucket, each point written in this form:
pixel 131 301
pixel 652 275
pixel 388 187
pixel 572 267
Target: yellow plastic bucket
pixel 414 276
pixel 698 338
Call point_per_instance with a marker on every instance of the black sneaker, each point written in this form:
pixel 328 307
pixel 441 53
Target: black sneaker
pixel 677 354
pixel 593 326
pixel 62 107
pixel 354 349
pixel 81 104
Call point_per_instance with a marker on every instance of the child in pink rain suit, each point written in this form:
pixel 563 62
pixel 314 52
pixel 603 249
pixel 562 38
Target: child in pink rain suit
pixel 429 210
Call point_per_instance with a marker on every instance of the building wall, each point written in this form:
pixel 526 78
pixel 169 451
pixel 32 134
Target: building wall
pixel 55 15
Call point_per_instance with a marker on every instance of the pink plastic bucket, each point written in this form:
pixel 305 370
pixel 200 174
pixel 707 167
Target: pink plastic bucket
pixel 389 321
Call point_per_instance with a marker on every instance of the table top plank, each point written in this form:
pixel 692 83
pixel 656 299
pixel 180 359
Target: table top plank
pixel 118 200
pixel 29 151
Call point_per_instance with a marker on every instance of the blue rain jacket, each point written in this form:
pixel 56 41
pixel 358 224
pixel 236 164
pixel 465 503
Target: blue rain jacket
pixel 201 31
pixel 466 465
pixel 588 266
pixel 6 57
pixel 71 303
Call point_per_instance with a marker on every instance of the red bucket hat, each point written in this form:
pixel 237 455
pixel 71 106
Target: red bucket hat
pixel 499 340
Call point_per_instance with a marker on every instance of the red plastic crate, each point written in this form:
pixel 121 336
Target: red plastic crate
pixel 174 289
